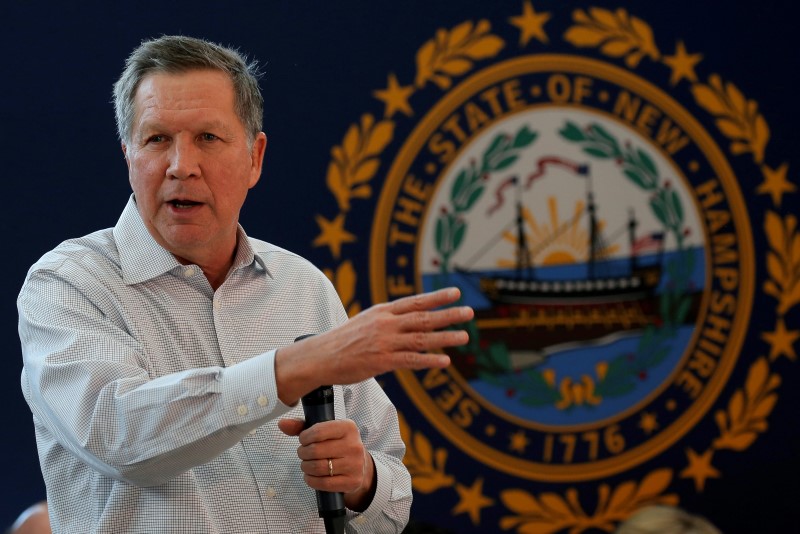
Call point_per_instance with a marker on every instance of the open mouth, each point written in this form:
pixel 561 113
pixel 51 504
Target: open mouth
pixel 183 204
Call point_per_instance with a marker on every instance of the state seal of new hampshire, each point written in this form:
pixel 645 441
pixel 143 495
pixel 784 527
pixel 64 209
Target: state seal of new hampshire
pixel 596 223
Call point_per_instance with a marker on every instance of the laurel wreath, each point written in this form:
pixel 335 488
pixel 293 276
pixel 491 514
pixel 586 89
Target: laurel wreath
pixel 616 34
pixel 748 409
pixel 453 53
pixel 736 117
pixel 552 513
pixel 783 262
pixel 469 186
pixel 424 464
pixel 354 162
pixel 344 280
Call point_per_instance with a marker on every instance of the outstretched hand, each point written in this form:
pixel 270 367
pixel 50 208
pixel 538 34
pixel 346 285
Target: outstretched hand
pixel 383 338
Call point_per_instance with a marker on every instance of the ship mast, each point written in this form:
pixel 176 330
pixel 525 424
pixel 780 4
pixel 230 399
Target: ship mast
pixel 524 264
pixel 592 227
pixel 632 223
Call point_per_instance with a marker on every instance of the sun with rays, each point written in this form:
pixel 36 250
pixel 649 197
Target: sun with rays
pixel 557 242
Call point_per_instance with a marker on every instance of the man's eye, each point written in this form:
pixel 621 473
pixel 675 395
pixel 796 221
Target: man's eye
pixel 156 139
pixel 209 137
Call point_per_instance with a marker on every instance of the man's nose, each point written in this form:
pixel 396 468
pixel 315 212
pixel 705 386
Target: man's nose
pixel 184 159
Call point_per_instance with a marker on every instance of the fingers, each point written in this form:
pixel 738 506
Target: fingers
pixel 402 334
pixel 335 430
pixel 338 442
pixel 291 427
pixel 425 301
pixel 427 321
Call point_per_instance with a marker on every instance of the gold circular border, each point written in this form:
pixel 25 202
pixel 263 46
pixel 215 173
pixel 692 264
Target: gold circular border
pixel 377 265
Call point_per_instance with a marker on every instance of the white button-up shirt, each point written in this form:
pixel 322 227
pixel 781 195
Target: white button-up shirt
pixel 154 397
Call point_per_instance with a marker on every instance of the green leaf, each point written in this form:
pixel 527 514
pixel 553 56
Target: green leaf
pixel 647 337
pixel 440 235
pixel 677 207
pixel 459 184
pixel 597 151
pixel 500 355
pixel 505 162
pixel 648 163
pixel 571 132
pixel 636 177
pixel 499 145
pixel 537 392
pixel 604 136
pixel 683 309
pixel 459 229
pixel 524 137
pixel 615 388
pixel 473 197
pixel 657 205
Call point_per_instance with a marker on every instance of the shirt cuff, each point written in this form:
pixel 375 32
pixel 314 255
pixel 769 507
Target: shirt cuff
pixel 249 391
pixel 380 501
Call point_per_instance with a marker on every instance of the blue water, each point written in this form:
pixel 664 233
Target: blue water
pixel 576 362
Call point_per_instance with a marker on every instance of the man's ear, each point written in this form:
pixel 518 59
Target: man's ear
pixel 125 154
pixel 257 158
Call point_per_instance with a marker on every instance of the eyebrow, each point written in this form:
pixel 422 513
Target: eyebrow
pixel 148 128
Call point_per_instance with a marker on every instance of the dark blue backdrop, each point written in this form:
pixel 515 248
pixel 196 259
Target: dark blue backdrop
pixel 65 175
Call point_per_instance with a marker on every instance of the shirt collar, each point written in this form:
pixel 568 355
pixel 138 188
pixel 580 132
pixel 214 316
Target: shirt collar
pixel 142 258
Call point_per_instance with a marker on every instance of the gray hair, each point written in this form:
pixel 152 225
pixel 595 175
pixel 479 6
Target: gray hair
pixel 175 54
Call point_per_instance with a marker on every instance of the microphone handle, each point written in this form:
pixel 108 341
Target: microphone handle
pixel 318 407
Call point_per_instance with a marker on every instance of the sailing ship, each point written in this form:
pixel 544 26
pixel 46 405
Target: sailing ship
pixel 538 316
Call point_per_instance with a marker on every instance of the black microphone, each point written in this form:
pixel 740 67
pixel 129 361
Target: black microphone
pixel 318 407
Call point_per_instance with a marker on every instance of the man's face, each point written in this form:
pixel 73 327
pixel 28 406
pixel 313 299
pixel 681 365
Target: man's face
pixel 189 163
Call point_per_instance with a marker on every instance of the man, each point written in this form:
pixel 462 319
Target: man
pixel 159 360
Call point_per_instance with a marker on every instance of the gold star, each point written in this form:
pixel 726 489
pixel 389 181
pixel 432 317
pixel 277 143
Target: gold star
pixel 333 234
pixel 518 442
pixel 472 501
pixel 395 97
pixel 682 64
pixel 700 468
pixel 648 422
pixel 530 24
pixel 775 183
pixel 781 341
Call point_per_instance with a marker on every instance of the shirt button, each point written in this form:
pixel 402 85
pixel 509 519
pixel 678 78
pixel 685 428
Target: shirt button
pixel 242 409
pixel 262 401
pixel 217 304
pixel 360 520
pixel 253 432
pixel 271 493
pixel 188 272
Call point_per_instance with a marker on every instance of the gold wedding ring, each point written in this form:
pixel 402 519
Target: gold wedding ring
pixel 330 467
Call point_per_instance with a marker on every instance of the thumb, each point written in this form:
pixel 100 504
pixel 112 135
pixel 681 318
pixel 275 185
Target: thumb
pixel 291 427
